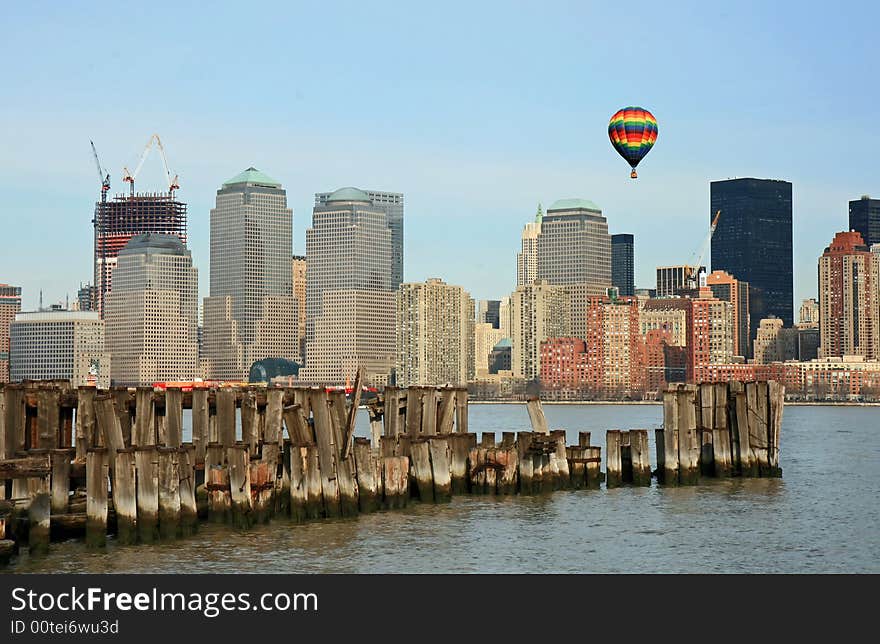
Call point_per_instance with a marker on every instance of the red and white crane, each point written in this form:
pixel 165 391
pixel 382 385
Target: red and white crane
pixel 129 176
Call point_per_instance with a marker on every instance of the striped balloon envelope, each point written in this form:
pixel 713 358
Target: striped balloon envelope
pixel 633 132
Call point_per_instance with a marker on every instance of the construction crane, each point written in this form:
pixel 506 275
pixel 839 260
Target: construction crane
pixel 103 175
pixel 695 265
pixel 129 176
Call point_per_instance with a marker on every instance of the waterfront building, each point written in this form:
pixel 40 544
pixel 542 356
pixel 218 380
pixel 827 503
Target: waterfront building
pixel 849 299
pixel 151 314
pixel 622 264
pixel 726 287
pixel 58 344
pixel 392 204
pixel 435 334
pixel 527 258
pixel 538 311
pixel 864 218
pixel 753 241
pixel 10 304
pixel 616 362
pixel 350 301
pixel 251 309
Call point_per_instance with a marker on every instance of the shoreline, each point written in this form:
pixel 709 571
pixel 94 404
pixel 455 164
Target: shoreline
pixel 799 403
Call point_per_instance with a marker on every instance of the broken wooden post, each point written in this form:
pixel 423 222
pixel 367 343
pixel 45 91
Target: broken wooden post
pixel 413 411
pixel 315 507
pixel 60 481
pixel 689 439
pixel 429 411
pixel 391 412
pixel 189 512
pixel 96 498
pixel 613 463
pixel 200 415
pixel 144 430
pixel 351 418
pixel 477 458
pixel 169 492
pixel 536 416
pixel 346 477
pixel 487 440
pixel 147 462
pixel 217 484
pixel 576 467
pixel 108 423
pixel 526 462
pixel 446 413
pixel 563 475
pixel 459 446
pixel 298 493
pixel 48 418
pixel 395 481
pixel 122 400
pixel 438 447
pixel 326 448
pixel 226 416
pixel 593 454
pixel 87 434
pixel 262 486
pixel 461 410
pixel 240 484
pixel 173 417
pixel 249 419
pixel 125 495
pixel 641 461
pixel 369 476
pixel 505 479
pixel 421 469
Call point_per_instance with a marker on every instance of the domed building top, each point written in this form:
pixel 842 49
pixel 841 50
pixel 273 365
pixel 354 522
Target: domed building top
pixel 154 243
pixel 574 204
pixel 348 194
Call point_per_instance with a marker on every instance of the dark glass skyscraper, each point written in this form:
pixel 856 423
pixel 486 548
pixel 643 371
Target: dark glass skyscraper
pixel 622 269
pixel 864 217
pixel 753 243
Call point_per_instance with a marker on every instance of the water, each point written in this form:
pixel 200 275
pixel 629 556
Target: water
pixel 822 516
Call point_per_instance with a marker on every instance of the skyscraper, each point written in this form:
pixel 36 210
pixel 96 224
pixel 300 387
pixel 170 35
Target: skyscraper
pixel 392 204
pixel 485 339
pixel 674 280
pixel 435 334
pixel 574 250
pixel 350 305
pixel 10 304
pixel 537 311
pixel 753 242
pixel 527 258
pixel 849 299
pixel 118 220
pixel 726 287
pixel 250 312
pixel 864 218
pixel 489 311
pixel 298 268
pixel 622 264
pixel 808 316
pixel 151 314
pixel 58 344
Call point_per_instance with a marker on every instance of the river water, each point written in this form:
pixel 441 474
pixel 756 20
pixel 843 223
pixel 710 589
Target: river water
pixel 822 516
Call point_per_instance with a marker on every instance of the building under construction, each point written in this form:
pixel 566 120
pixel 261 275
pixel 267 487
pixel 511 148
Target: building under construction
pixel 119 219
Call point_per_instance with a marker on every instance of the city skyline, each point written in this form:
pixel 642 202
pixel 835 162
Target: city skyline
pixel 484 161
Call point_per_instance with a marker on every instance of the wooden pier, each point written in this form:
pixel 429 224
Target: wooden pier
pixel 87 463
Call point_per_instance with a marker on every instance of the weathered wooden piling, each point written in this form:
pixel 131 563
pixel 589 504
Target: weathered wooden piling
pixel 225 416
pixel 240 484
pixel 440 467
pixel 60 480
pixel 262 485
pixel 395 481
pixel 169 492
pixel 446 412
pixel 576 467
pixel 144 429
pixel 189 513
pixel 296 455
pixel 314 483
pixel 525 465
pixel 39 512
pixel 639 457
pixel 369 476
pixel 217 484
pixel 421 469
pixel 346 478
pixel 689 440
pixel 613 461
pixel 125 495
pixel 147 462
pixel 249 420
pixel 200 416
pixel 563 474
pixel 505 472
pixel 536 416
pixel 459 446
pixel 87 434
pixel 413 411
pixel 429 411
pixel 461 410
pixel 173 417
pixel 326 448
pixel 96 498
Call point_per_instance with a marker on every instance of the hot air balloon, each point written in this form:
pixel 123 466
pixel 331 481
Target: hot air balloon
pixel 633 131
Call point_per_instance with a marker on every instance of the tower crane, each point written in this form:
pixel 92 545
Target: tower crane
pixel 129 176
pixel 695 265
pixel 103 175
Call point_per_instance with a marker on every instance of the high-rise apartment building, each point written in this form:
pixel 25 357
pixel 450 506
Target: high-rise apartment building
pixel 151 314
pixel 678 280
pixel 527 258
pixel 775 343
pixel 350 300
pixel 298 274
pixel 726 287
pixel 849 299
pixel 251 310
pixel 753 242
pixel 616 351
pixel 57 344
pixel 622 264
pixel 121 218
pixel 435 334
pixel 537 311
pixel 485 338
pixel 864 218
pixel 504 316
pixel 392 204
pixel 10 304
pixel 574 250
pixel 808 316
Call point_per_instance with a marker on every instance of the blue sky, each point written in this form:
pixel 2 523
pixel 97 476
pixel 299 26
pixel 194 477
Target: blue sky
pixel 477 111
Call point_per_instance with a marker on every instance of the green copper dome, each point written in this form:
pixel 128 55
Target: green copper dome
pixel 252 175
pixel 574 204
pixel 348 194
